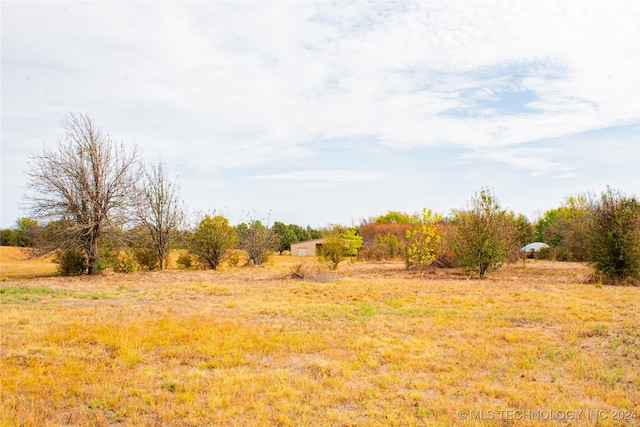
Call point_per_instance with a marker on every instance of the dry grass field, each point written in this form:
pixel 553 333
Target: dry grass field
pixel 369 345
pixel 17 263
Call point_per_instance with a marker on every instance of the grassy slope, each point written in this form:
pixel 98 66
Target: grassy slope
pixel 17 263
pixel 372 346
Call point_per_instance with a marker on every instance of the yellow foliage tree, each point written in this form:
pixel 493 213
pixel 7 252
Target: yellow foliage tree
pixel 422 241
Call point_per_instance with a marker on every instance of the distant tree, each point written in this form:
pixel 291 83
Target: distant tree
pixel 309 233
pixel 24 234
pixel 286 235
pixel 332 250
pixel 339 244
pixel 143 248
pixel 27 231
pixel 258 240
pixel 302 233
pixel 523 233
pixel 87 184
pixel 394 217
pixel 445 255
pixel 484 236
pixel 523 229
pixel 423 241
pixel 352 241
pixel 545 229
pixel 214 240
pixel 160 210
pixel 615 237
pixel 383 240
pixel 384 236
pixel 6 237
pixel 566 228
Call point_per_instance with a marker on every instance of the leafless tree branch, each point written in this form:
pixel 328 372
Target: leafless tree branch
pixel 86 184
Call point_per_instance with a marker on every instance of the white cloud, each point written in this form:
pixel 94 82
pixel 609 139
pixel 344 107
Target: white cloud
pixel 230 85
pixel 324 176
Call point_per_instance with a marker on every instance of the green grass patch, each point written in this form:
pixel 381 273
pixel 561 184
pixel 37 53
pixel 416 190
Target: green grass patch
pixel 29 294
pixel 17 294
pixel 367 310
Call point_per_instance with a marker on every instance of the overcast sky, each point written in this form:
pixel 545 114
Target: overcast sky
pixel 319 112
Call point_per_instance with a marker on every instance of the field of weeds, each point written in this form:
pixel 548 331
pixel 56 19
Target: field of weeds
pixel 369 345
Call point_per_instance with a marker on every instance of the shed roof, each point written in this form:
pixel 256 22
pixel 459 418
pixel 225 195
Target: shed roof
pixel 319 240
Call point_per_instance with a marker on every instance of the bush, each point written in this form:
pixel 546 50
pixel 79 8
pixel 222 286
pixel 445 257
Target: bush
pixel 258 240
pixel 234 259
pixel 445 259
pixel 71 262
pixel 423 241
pixel 566 229
pixel 484 237
pixel 301 271
pixel 126 263
pixel 615 237
pixel 213 240
pixel 339 243
pixel 146 257
pixel 543 253
pixel 382 241
pixel 185 261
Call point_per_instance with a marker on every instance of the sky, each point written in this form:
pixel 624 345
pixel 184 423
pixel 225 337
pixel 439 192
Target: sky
pixel 317 113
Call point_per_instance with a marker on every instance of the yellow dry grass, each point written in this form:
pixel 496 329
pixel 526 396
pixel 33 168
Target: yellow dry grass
pixel 370 345
pixel 20 263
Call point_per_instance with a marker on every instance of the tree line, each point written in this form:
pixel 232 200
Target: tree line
pixel 104 207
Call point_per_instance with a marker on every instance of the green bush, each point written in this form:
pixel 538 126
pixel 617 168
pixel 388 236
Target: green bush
pixel 543 253
pixel 213 241
pixel 71 262
pixel 615 237
pixel 146 256
pixel 339 243
pixel 484 237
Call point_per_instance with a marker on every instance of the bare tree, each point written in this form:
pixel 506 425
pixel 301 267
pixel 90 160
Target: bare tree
pixel 160 210
pixel 86 185
pixel 258 240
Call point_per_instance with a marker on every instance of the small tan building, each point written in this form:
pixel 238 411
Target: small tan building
pixel 307 248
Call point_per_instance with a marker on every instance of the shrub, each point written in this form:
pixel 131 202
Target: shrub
pixel 485 236
pixel 185 261
pixel 234 259
pixel 258 240
pixel 423 240
pixel 615 237
pixel 566 229
pixel 214 240
pixel 381 240
pixel 339 243
pixel 445 256
pixel 146 256
pixel 445 260
pixel 71 262
pixel 126 263
pixel 300 271
pixel 543 253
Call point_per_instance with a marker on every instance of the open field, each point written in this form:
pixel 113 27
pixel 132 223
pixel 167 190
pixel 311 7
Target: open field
pixel 16 263
pixel 370 345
